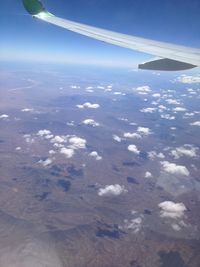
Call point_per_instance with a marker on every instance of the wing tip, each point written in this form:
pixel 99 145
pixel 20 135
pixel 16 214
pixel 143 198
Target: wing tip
pixel 33 7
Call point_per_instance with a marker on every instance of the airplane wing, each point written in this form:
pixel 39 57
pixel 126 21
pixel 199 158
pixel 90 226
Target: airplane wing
pixel 171 56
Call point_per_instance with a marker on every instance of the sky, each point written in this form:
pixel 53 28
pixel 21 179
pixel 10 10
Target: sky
pixel 26 39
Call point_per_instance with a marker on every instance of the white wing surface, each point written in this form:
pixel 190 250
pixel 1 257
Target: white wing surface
pixel 171 56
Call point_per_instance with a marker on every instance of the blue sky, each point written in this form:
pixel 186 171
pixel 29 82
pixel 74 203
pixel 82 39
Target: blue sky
pixel 24 38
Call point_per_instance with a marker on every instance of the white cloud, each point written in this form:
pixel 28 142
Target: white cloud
pixel 95 155
pixel 176 227
pixel 27 110
pixel 112 190
pixel 68 152
pixel 134 149
pixel 172 101
pixel 189 114
pixel 153 154
pixel 75 87
pixel 52 152
pixel 18 148
pixel 29 139
pixel 132 135
pixel 148 175
pixel 155 103
pixel 46 162
pixel 179 109
pixel 167 117
pixel 56 145
pixel 89 87
pixel 174 169
pixel 143 89
pixel 77 142
pixel 89 105
pixel 123 119
pixel 100 87
pixel 188 79
pixel 90 122
pixel 144 130
pixel 161 108
pixel 172 210
pixel 48 136
pixel 148 110
pixel 71 123
pixel 196 123
pixel 89 90
pixel 134 224
pixel 118 93
pixel 4 116
pixel 156 95
pixel 59 139
pixel 43 132
pixel 117 138
pixel 185 150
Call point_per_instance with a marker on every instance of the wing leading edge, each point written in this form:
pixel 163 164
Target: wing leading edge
pixel 171 57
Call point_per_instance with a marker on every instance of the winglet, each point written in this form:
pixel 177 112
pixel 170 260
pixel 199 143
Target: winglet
pixel 34 7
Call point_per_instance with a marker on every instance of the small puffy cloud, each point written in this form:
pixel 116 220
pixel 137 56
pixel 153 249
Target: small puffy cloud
pixel 148 175
pixel 134 149
pixel 153 154
pixel 112 190
pixel 156 95
pixel 172 210
pixel 90 122
pixel 148 110
pixel 4 116
pixel 27 110
pixel 43 132
pixel 196 123
pixel 189 114
pixel 144 130
pixel 75 86
pixel 143 89
pixel 89 87
pixel 77 142
pixel 173 101
pixel 18 148
pixel 117 138
pixel 29 139
pixel 174 168
pixel 68 152
pixel 89 90
pixel 70 123
pixel 167 117
pixel 134 224
pixel 119 93
pixel 46 162
pixel 176 227
pixel 179 109
pixel 88 105
pixel 59 139
pixel 122 119
pixel 162 108
pixel 100 87
pixel 185 150
pixel 95 155
pixel 52 152
pixel 189 79
pixel 132 135
pixel 56 145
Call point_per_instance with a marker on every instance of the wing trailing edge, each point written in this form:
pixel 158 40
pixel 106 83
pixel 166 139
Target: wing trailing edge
pixel 172 57
pixel 165 64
